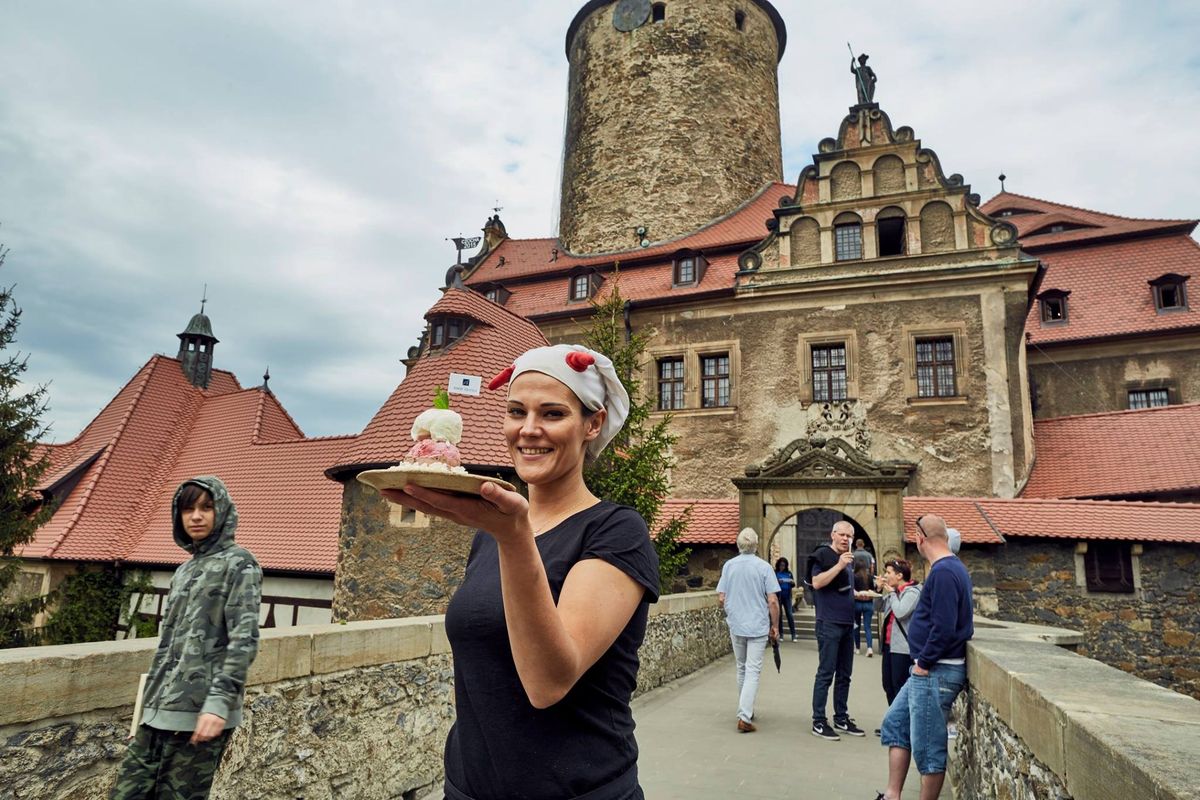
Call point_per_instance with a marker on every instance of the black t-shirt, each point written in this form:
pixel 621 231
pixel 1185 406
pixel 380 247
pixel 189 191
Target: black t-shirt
pixel 501 747
pixel 835 602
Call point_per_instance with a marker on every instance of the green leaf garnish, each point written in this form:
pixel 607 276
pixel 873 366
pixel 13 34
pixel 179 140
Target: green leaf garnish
pixel 441 399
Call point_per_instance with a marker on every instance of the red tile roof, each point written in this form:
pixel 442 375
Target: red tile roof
pixel 1039 214
pixel 1110 289
pixel 492 344
pixel 712 521
pixel 161 430
pixel 1117 454
pixel 644 282
pixel 1106 265
pixel 963 513
pixel 529 257
pixel 1058 519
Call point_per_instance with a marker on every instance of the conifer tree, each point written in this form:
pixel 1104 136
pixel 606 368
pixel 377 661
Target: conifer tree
pixel 21 468
pixel 634 469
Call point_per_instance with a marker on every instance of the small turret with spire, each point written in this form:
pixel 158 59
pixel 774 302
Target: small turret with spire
pixel 196 348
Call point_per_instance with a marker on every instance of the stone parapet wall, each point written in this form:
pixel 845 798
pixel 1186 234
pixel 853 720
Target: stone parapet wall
pixel 1039 721
pixel 1152 632
pixel 353 710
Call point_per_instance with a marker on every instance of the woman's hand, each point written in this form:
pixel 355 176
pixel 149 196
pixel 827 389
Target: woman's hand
pixel 503 514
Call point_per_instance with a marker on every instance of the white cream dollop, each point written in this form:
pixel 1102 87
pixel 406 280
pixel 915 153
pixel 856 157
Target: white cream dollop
pixel 439 424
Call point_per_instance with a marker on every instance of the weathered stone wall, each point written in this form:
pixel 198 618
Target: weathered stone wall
pixel 989 753
pixel 703 568
pixel 1040 722
pixel 806 242
pixel 356 710
pixel 1091 385
pixel 950 442
pixel 390 566
pixel 685 632
pixel 712 92
pixel 1153 633
pixel 360 711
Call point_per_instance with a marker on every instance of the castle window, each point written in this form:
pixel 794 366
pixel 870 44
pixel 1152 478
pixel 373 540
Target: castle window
pixel 1170 293
pixel 670 384
pixel 829 373
pixel 689 269
pixel 889 230
pixel 739 19
pixel 492 294
pixel 658 12
pixel 437 336
pixel 935 367
pixel 1108 567
pixel 1053 304
pixel 581 287
pixel 714 381
pixel 848 241
pixel 444 332
pixel 1149 398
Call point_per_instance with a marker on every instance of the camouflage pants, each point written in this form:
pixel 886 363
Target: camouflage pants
pixel 162 765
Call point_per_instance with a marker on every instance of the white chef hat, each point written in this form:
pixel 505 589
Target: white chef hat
pixel 590 375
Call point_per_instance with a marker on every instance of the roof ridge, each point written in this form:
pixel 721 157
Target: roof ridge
pixel 1075 501
pixel 745 204
pixel 182 423
pixel 476 296
pixel 146 371
pixel 1085 210
pixel 258 414
pixel 1176 406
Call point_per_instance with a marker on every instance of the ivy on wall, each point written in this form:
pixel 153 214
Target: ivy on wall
pixel 90 605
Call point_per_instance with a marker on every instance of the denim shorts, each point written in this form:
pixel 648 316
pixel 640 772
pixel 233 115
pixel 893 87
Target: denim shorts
pixel 917 719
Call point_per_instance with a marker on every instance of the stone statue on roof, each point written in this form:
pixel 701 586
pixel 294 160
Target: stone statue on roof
pixel 864 80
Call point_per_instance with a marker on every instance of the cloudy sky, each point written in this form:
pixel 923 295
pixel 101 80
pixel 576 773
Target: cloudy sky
pixel 306 160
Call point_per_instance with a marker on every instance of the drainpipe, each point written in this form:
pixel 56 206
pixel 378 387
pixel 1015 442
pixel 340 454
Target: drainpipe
pixel 628 321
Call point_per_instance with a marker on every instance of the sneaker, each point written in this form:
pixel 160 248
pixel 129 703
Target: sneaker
pixel 849 728
pixel 823 730
pixel 869 653
pixel 794 639
pixel 879 732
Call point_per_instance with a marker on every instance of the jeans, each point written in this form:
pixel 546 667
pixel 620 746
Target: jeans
pixel 917 718
pixel 835 654
pixel 748 652
pixel 895 672
pixel 864 619
pixel 785 601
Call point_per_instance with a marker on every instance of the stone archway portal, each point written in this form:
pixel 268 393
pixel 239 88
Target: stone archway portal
pixel 826 473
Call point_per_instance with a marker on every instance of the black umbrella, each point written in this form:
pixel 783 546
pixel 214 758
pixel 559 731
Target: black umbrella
pixel 775 647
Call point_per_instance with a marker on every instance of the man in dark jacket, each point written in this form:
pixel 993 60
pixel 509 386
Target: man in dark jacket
pixel 208 639
pixel 830 571
pixel 938 632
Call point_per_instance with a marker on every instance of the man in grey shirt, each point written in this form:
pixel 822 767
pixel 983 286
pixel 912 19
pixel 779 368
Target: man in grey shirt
pixel 747 591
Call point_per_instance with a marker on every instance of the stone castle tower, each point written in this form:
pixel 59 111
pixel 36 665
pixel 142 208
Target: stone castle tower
pixel 672 117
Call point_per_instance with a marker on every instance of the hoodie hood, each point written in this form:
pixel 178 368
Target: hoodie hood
pixel 225 518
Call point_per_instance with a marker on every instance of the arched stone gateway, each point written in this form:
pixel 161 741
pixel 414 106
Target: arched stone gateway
pixel 830 476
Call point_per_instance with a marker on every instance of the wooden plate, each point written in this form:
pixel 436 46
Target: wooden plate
pixel 460 483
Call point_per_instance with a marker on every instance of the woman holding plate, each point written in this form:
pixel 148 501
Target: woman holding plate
pixel 546 625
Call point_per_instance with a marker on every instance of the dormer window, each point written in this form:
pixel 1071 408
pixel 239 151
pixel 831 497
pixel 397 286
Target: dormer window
pixel 689 269
pixel 445 331
pixel 1053 307
pixel 1170 293
pixel 582 286
pixel 496 294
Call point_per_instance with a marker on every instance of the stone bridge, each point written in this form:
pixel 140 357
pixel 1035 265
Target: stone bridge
pixel 361 710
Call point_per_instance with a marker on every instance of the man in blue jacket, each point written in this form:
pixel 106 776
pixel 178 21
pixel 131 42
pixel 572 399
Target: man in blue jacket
pixel 938 632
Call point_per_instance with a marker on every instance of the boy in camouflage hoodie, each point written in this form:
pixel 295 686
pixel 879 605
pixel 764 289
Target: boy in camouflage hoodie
pixel 209 637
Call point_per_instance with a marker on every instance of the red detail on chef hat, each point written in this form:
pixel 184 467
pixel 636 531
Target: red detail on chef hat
pixel 502 378
pixel 580 361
